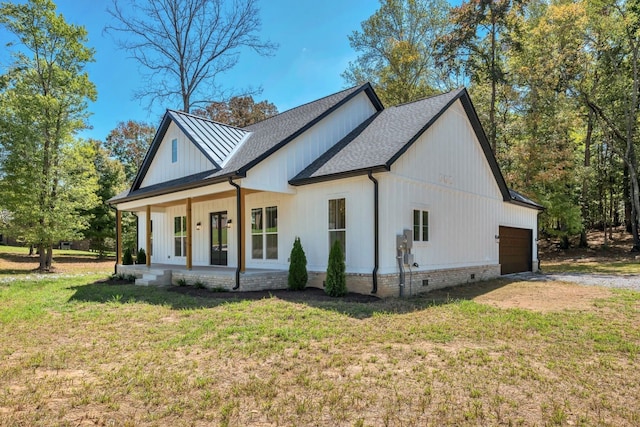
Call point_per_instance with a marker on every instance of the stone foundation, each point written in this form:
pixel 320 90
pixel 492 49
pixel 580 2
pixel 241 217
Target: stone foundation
pixel 416 282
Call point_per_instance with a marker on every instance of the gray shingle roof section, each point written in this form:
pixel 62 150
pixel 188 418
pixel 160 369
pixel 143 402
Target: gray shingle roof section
pixel 259 141
pixel 216 140
pixel 379 142
pixel 270 134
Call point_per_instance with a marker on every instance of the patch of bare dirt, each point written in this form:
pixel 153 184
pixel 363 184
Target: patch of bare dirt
pixel 544 296
pixel 19 263
pixel 616 247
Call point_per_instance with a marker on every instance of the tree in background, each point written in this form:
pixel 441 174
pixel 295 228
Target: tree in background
pixel 102 218
pixel 240 111
pixel 185 45
pixel 546 151
pixel 129 143
pixel 479 39
pixel 612 94
pixel 47 177
pixel 397 49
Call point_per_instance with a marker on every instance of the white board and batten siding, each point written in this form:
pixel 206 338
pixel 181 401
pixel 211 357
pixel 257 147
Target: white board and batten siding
pixel 190 159
pixel 445 173
pixel 163 232
pixel 306 215
pixel 274 173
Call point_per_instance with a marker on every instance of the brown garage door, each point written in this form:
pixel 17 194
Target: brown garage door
pixel 515 250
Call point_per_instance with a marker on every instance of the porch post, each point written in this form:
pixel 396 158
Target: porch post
pixel 148 236
pixel 189 235
pixel 118 236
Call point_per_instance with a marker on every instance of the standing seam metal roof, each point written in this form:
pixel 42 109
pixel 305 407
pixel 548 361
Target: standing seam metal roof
pixel 216 140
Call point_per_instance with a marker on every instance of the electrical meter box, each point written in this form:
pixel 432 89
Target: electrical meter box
pixel 408 259
pixel 408 236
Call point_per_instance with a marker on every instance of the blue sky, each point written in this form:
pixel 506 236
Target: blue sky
pixel 314 51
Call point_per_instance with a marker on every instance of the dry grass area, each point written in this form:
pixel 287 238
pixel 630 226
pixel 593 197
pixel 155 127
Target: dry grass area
pixel 80 350
pixel 16 260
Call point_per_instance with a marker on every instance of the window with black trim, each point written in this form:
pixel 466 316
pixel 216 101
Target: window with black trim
pixel 338 223
pixel 420 226
pixel 264 233
pixel 174 151
pixel 180 235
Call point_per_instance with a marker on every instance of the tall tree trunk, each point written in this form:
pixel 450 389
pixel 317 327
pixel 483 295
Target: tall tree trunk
pixel 494 76
pixel 42 258
pixel 49 257
pixel 585 181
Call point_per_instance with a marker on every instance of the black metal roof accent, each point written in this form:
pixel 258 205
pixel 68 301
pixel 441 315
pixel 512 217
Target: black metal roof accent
pixel 519 199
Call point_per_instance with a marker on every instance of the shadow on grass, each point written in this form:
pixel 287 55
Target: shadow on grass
pixel 353 305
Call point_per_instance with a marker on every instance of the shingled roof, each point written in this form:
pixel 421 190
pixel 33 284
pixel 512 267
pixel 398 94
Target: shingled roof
pixel 372 147
pixel 233 151
pixel 378 142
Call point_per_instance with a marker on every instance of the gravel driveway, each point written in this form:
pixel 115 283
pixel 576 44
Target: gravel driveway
pixel 626 281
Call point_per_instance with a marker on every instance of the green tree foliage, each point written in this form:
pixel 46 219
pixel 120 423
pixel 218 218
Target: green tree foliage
pixel 298 276
pixel 186 45
pixel 336 280
pixel 396 49
pixel 546 153
pixel 239 111
pixel 111 181
pixel 129 143
pixel 47 176
pixel 479 40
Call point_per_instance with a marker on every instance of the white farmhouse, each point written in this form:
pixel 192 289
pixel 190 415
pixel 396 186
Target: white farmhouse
pixel 412 192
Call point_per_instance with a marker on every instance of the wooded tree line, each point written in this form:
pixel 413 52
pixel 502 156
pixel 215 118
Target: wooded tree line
pixel 555 83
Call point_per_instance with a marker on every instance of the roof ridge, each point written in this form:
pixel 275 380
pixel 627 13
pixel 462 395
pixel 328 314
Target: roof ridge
pixel 195 116
pixel 430 97
pixel 310 102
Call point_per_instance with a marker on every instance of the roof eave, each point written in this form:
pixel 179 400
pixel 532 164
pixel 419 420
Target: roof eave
pixel 339 175
pixel 174 189
pixel 526 205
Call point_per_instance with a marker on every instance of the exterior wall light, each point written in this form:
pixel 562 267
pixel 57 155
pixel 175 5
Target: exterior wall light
pixel 497 238
pixel 198 226
pixel 229 222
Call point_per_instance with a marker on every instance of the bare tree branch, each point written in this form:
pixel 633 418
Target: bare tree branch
pixel 186 44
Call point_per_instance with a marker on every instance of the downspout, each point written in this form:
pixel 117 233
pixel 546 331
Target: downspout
pixel 376 237
pixel 239 232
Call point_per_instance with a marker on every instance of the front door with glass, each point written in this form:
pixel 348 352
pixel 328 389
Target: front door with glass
pixel 219 238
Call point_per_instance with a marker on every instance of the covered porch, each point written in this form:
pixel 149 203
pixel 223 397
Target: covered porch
pixel 191 234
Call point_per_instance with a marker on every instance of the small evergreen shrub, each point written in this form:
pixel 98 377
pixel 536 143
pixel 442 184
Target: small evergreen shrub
pixel 181 282
pixel 199 284
pixel 141 258
pixel 336 281
pixel 298 276
pixel 127 257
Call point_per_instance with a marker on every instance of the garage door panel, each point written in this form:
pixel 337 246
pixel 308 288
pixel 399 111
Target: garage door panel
pixel 515 250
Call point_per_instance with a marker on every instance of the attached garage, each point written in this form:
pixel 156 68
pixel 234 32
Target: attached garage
pixel 515 250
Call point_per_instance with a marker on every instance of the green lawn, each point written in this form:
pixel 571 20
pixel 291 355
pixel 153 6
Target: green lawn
pixel 76 351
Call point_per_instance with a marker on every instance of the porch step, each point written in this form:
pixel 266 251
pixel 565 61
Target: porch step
pixel 155 278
